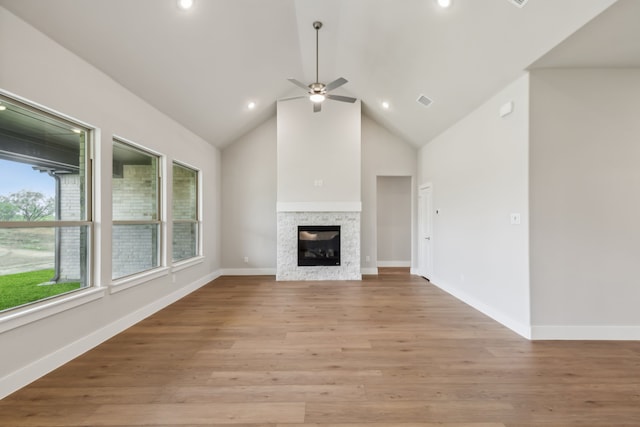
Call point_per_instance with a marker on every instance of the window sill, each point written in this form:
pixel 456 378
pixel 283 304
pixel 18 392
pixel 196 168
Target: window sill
pixel 48 308
pixel 138 279
pixel 181 265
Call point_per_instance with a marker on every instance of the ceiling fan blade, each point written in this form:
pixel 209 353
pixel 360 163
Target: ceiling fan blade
pixel 317 107
pixel 299 84
pixel 342 98
pixel 336 83
pixel 293 97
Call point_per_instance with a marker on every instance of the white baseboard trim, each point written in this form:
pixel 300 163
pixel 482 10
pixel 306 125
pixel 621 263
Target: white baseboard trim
pixel 369 271
pixel 414 272
pixel 22 377
pixel 598 333
pixel 394 263
pixel 507 321
pixel 248 272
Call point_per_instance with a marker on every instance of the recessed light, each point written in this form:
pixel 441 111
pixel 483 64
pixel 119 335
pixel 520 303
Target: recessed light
pixel 251 105
pixel 385 105
pixel 444 3
pixel 185 4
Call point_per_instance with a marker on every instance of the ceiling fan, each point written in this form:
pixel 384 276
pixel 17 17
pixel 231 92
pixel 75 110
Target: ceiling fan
pixel 318 92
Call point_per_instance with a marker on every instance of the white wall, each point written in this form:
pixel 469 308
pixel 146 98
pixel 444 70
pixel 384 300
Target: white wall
pixel 478 169
pixel 315 147
pixel 383 154
pixel 249 202
pixel 36 68
pixel 585 203
pixel 394 215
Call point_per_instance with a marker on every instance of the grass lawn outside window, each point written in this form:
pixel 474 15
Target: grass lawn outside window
pixel 23 288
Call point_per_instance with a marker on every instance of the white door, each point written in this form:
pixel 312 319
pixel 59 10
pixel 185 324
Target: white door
pixel 425 207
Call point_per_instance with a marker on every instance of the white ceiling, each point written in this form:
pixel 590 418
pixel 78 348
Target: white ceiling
pixel 202 67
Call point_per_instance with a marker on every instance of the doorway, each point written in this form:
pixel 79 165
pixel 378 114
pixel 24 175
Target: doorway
pixel 393 221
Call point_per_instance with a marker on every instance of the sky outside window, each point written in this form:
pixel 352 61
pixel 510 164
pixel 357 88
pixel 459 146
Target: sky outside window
pixel 15 176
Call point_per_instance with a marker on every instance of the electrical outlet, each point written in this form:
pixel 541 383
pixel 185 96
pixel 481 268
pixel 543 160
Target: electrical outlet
pixel 246 260
pixel 367 258
pixel 515 218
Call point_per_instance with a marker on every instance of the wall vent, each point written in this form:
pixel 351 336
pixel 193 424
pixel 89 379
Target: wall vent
pixel 519 3
pixel 424 100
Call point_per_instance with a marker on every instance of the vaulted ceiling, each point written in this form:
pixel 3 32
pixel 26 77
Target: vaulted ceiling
pixel 203 66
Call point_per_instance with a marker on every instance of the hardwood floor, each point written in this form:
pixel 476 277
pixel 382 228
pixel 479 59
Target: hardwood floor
pixel 391 350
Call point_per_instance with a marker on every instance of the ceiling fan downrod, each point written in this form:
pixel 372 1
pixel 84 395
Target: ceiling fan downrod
pixel 317 25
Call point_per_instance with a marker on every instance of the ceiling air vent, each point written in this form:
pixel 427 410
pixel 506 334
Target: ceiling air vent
pixel 519 3
pixel 424 100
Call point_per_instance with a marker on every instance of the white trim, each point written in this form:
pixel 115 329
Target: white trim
pixel 591 332
pixel 138 279
pixel 505 320
pixel 319 207
pixel 138 146
pixel 414 271
pixel 50 307
pixel 394 263
pixel 47 110
pixel 369 271
pixel 248 272
pixel 181 265
pixel 20 378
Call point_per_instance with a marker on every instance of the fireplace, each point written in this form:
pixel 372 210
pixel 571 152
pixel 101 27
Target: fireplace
pixel 345 222
pixel 318 245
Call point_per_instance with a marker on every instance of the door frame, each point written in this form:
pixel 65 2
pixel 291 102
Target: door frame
pixel 425 226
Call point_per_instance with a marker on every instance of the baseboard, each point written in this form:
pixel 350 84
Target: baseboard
pixel 248 272
pixel 394 263
pixel 372 270
pixel 599 333
pixel 507 321
pixel 22 377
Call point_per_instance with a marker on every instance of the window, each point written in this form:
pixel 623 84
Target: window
pixel 136 238
pixel 45 205
pixel 186 222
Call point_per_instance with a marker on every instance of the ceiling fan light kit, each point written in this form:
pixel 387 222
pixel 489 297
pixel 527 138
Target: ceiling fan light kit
pixel 318 92
pixel 185 4
pixel 317 97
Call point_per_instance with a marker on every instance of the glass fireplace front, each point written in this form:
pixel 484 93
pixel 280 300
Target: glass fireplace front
pixel 318 245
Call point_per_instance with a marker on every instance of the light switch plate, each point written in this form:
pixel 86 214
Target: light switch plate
pixel 515 219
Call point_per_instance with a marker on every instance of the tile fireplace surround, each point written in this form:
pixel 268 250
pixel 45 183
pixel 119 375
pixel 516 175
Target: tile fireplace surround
pixel 287 239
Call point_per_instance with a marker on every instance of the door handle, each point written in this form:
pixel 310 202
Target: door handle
pixel 428 237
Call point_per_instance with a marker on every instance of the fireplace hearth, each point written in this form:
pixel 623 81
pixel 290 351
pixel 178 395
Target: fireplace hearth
pixel 318 245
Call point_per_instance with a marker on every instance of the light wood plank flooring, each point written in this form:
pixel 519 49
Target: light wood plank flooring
pixel 392 350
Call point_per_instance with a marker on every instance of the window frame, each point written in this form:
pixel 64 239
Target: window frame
pixel 179 264
pixel 143 276
pixel 33 311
